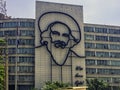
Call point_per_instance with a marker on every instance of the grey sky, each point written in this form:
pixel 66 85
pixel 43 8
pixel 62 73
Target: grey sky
pixel 95 11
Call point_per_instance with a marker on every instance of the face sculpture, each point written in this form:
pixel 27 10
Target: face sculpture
pixel 60 35
pixel 57 36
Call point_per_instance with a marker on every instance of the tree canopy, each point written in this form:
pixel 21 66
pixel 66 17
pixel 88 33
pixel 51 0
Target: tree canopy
pixel 2 70
pixel 95 84
pixel 2 74
pixel 55 85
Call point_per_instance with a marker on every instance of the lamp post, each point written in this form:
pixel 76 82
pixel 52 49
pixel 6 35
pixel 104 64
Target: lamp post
pixel 6 63
pixel 17 56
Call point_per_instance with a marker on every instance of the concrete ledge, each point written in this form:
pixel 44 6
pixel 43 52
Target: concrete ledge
pixel 77 88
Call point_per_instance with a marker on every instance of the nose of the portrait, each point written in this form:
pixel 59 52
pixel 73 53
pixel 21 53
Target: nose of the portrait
pixel 59 38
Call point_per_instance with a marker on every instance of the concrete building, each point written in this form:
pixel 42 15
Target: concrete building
pixel 59 41
pixel 99 44
pixel 102 50
pixel 20 33
pixel 58 46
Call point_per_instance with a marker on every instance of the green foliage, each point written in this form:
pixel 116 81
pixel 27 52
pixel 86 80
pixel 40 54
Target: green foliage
pixel 34 89
pixel 2 74
pixel 2 42
pixel 2 70
pixel 2 46
pixel 95 84
pixel 55 86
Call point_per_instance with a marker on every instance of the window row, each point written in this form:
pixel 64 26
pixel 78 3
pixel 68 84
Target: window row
pixel 102 46
pixel 21 51
pixel 22 77
pixel 95 29
pixel 15 33
pixel 103 62
pixel 17 24
pixel 101 30
pixel 116 80
pixel 97 54
pixel 109 71
pixel 102 38
pixel 21 69
pixel 21 42
pixel 109 79
pixel 97 38
pixel 25 59
pixel 103 54
pixel 103 71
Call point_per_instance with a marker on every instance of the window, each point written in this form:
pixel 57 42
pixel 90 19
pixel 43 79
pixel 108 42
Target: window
pixel 88 29
pixel 102 54
pixel 89 37
pixel 115 54
pixel 27 24
pixel 26 32
pixel 115 71
pixel 115 63
pixel 11 50
pixel 1 33
pixel 90 53
pixel 24 24
pixel 12 69
pixel 101 38
pixel 89 45
pixel 10 24
pixel 25 78
pixel 104 71
pixel 26 50
pixel 114 47
pixel 114 31
pixel 10 32
pixel 11 77
pixel 90 62
pixel 12 59
pixel 26 60
pixel 90 70
pixel 103 62
pixel 101 46
pixel 11 41
pixel 101 30
pixel 109 71
pixel 26 41
pixel 24 87
pixel 116 80
pixel 1 25
pixel 26 69
pixel 114 39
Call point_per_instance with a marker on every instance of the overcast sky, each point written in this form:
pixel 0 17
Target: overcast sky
pixel 95 11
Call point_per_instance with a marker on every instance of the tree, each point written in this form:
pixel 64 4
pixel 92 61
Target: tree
pixel 55 86
pixel 2 70
pixel 2 74
pixel 95 84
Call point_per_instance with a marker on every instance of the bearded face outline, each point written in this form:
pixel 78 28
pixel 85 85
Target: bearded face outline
pixel 60 36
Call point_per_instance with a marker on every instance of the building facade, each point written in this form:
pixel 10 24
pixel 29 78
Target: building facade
pixel 102 50
pixel 99 43
pixel 58 46
pixel 20 40
pixel 59 42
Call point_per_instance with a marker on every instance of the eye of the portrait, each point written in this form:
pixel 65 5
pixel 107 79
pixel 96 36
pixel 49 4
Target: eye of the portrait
pixel 65 35
pixel 55 33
